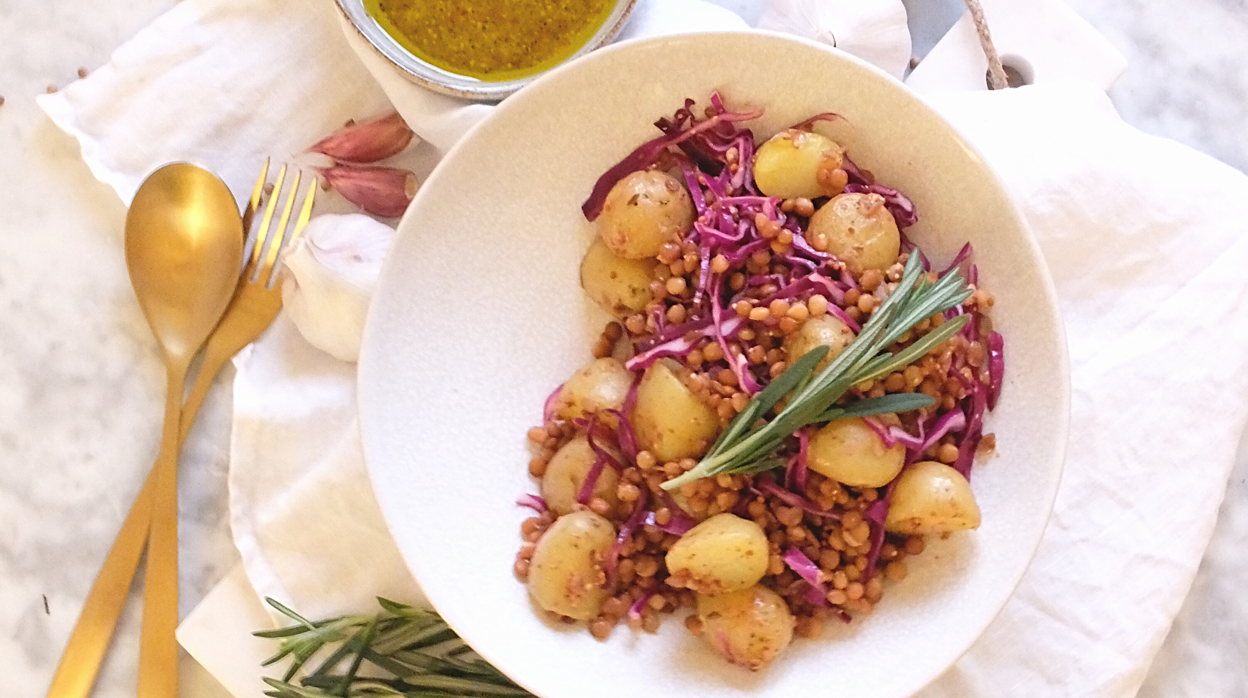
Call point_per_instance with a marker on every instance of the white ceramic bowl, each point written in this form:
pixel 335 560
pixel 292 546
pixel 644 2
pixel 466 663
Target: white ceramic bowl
pixel 479 314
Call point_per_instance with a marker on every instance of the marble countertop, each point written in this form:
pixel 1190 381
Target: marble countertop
pixel 81 384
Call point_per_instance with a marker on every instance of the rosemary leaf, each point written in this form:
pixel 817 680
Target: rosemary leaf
pixel 282 689
pixel 468 686
pixel 761 465
pixel 915 351
pixel 899 402
pixel 746 447
pixel 416 647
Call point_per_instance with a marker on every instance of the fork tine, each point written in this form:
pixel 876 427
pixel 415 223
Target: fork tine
pixel 302 222
pixel 249 214
pixel 306 213
pixel 279 233
pixel 258 250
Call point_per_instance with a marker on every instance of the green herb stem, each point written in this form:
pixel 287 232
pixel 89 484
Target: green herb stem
pixel 424 657
pixel 746 446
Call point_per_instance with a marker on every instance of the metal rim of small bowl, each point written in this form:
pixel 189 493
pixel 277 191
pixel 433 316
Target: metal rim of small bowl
pixel 453 84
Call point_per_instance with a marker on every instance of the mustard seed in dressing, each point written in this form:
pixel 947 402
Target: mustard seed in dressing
pixel 491 39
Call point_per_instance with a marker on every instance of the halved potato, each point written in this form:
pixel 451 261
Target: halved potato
pixel 749 627
pixel 850 452
pixel 724 553
pixel 671 422
pixel 620 286
pixel 566 575
pixel 932 498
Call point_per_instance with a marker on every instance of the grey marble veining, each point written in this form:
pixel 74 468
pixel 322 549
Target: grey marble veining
pixel 81 385
pixel 1188 74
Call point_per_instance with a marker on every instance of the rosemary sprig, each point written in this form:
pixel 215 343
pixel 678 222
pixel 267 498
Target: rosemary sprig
pixel 422 655
pixel 746 446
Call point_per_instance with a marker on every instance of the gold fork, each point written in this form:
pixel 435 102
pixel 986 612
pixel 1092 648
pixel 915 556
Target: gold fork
pixel 255 304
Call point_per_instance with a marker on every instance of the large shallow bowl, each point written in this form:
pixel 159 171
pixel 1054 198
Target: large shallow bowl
pixel 479 315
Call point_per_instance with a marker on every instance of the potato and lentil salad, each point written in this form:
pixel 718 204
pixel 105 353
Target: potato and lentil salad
pixel 787 404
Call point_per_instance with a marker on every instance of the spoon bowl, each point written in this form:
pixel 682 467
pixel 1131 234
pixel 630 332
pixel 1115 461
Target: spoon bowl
pixel 184 247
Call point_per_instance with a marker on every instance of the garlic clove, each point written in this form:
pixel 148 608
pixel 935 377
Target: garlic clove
pixel 381 191
pixel 367 141
pixel 329 278
pixel 873 30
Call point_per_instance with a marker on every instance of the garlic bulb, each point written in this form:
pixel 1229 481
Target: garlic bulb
pixel 873 30
pixel 330 276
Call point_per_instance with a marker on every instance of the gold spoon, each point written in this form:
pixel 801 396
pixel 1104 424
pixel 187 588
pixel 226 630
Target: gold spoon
pixel 250 311
pixel 184 247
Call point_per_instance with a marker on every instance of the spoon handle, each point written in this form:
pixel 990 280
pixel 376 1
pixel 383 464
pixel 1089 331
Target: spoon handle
pixel 80 664
pixel 158 644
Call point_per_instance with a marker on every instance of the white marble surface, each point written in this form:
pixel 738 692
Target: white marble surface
pixel 81 386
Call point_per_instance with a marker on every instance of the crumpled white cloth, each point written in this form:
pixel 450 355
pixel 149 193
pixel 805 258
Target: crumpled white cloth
pixel 1143 237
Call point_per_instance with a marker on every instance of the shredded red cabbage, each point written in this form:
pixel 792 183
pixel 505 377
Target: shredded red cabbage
pixel 630 524
pixel 691 183
pixel 876 514
pixel 681 346
pixel 840 315
pixel 963 255
pixel 680 519
pixel 737 364
pixel 951 421
pixel 806 569
pixel 591 479
pixel 795 473
pixel 996 367
pixel 908 246
pixel 648 153
pixel 533 502
pixel 974 429
pixel 634 611
pixel 552 401
pixel 599 450
pixel 805 125
pixel 603 458
pixel 897 203
pixel 677 525
pixel 766 484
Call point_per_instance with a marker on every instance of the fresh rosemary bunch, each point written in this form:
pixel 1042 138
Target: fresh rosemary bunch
pixel 423 657
pixel 747 446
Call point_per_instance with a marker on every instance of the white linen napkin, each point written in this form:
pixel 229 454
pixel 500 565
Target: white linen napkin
pixel 1142 235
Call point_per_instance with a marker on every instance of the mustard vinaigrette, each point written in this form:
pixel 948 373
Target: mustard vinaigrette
pixel 491 40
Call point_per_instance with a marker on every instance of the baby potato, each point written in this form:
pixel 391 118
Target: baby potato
pixel 643 211
pixel 826 331
pixel 600 385
pixel 788 164
pixel 724 553
pixel 670 421
pixel 931 498
pixel 749 627
pixel 850 452
pixel 619 286
pixel 566 575
pixel 565 476
pixel 858 229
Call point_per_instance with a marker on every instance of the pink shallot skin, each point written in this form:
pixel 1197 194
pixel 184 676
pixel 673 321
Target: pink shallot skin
pixel 368 141
pixel 382 191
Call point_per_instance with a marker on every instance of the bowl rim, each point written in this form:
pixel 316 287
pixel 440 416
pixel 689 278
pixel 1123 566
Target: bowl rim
pixel 431 77
pixel 1063 397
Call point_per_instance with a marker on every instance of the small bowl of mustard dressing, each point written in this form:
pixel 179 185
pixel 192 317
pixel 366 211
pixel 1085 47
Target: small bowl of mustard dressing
pixel 483 49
